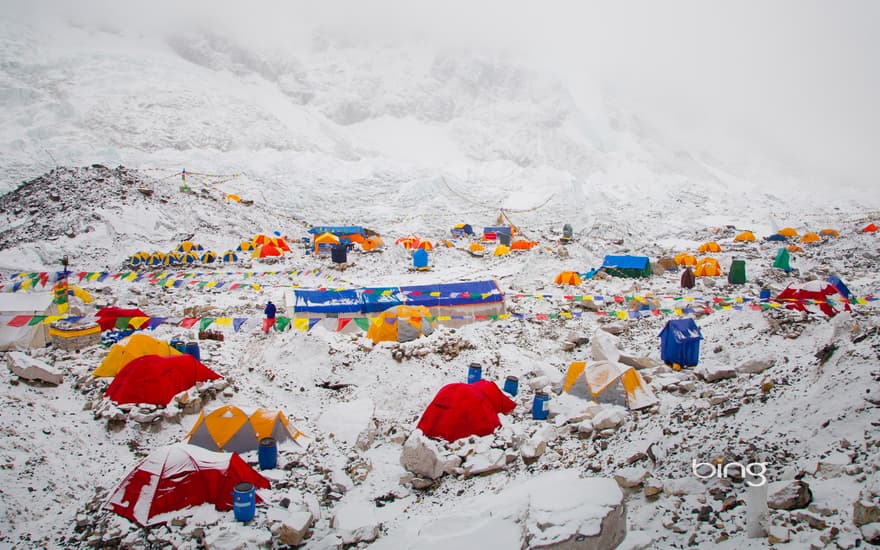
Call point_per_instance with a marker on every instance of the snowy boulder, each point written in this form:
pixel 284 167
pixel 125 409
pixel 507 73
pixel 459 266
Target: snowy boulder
pixel 539 382
pixel 422 457
pixel 638 363
pixel 235 536
pixel 604 346
pixel 347 421
pixel 778 534
pixel 537 444
pixel 755 366
pixel 871 533
pixel 292 526
pixel 713 374
pixel 356 523
pixel 631 477
pixel 609 418
pixel 24 366
pixel 485 462
pixel 834 465
pixel 864 512
pixel 789 495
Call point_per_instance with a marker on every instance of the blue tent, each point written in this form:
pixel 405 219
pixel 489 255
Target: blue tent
pixel 338 230
pixel 838 284
pixel 680 342
pixel 462 229
pixel 777 237
pixel 420 259
pixel 627 266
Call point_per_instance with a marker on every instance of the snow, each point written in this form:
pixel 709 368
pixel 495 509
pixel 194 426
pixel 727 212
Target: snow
pixel 414 141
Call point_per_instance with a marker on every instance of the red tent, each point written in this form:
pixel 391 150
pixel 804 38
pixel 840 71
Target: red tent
pixel 460 410
pixel 107 316
pixel 179 476
pixel 156 379
pixel 870 228
pixel 807 296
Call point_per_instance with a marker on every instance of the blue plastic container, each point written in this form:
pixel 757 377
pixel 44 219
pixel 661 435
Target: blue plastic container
pixel 511 385
pixel 192 348
pixel 475 372
pixel 267 453
pixel 539 406
pixel 244 501
pixel 765 294
pixel 179 345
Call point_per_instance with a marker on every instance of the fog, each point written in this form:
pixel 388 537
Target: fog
pixel 788 83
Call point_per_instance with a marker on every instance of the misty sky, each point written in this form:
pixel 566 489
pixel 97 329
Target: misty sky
pixel 790 81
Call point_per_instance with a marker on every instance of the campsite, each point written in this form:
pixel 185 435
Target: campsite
pixel 489 328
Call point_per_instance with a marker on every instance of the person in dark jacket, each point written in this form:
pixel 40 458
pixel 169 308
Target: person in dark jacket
pixel 270 316
pixel 687 278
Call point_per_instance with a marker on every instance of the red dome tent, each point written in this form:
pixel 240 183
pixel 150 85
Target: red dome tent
pixel 461 410
pixel 179 476
pixel 156 379
pixel 807 296
pixel 108 316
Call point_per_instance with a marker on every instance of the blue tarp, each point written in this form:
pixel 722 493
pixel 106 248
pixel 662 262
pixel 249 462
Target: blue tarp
pixel 626 262
pixel 338 230
pixel 838 284
pixel 680 342
pixel 373 300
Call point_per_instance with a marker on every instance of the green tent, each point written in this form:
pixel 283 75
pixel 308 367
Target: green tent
pixel 737 273
pixel 781 261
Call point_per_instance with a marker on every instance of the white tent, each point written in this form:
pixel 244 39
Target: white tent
pixel 24 303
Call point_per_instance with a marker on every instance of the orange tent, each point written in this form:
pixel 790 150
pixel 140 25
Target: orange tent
pixel 260 240
pixel 709 247
pixel 522 245
pixel 830 233
pixel 280 243
pixel 745 236
pixel 685 259
pixel 371 243
pixel 266 251
pixel 794 248
pixel 568 278
pixel 708 267
pixel 788 232
pixel 423 245
pixel 326 239
pixel 870 228
pixel 476 249
pixel 811 238
pixel 408 242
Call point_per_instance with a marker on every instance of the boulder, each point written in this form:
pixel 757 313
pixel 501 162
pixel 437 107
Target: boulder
pixel 789 495
pixel 864 512
pixel 638 363
pixel 422 457
pixel 604 346
pixel 25 366
pixel 778 534
pixel 755 366
pixel 609 418
pixel 715 373
pixel 652 488
pixel 871 533
pixel 485 462
pixel 356 523
pixel 294 525
pixel 631 477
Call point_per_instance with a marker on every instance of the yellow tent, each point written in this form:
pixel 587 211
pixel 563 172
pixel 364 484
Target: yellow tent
pixel 81 294
pixel 136 345
pixel 261 239
pixel 476 249
pixel 325 238
pixel 401 324
pixel 608 382
pixel 711 246
pixel 186 246
pixel 501 250
pixel 684 258
pixel 371 243
pixel 245 246
pixel 568 278
pixel 811 238
pixel 236 430
pixel 745 236
pixel 788 232
pixel 830 233
pixel 708 267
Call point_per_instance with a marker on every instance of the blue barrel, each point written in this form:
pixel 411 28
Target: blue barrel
pixel 511 385
pixel 244 501
pixel 765 294
pixel 539 406
pixel 475 372
pixel 192 348
pixel 179 345
pixel 267 453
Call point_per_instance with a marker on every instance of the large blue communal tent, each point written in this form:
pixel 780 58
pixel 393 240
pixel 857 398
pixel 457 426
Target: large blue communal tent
pixel 627 266
pixel 680 342
pixel 338 230
pixel 462 300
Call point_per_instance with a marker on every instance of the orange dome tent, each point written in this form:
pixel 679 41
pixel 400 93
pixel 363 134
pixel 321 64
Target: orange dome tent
pixel 708 267
pixel 745 236
pixel 371 243
pixel 523 244
pixel 476 249
pixel 684 258
pixel 408 243
pixel 266 251
pixel 233 197
pixel 568 278
pixel 401 324
pixel 280 244
pixel 260 240
pixel 811 238
pixel 794 248
pixel 788 232
pixel 829 233
pixel 423 245
pixel 709 247
pixel 501 250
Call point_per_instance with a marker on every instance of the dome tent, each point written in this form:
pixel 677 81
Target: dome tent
pixel 235 429
pixel 461 410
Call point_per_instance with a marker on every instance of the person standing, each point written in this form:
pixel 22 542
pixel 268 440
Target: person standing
pixel 270 316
